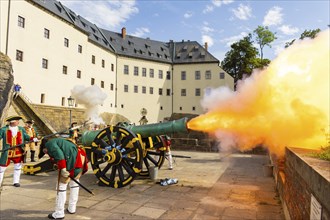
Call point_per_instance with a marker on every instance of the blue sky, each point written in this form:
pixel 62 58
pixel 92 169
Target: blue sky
pixel 218 22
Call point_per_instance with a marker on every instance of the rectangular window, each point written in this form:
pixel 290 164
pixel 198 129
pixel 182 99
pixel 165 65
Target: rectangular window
pixel 144 72
pixel 197 75
pixel 168 92
pixel 21 22
pixel 78 74
pixel 151 90
pixel 208 74
pixel 183 75
pixel 79 49
pixel 63 101
pixel 136 89
pixel 42 98
pixel 160 91
pixel 111 86
pixel 65 70
pixel 93 59
pixel 19 55
pixel 136 71
pixel 197 92
pixel 66 42
pixel 151 73
pixel 102 84
pixel 144 89
pixel 92 81
pixel 44 63
pixel 222 75
pixel 160 74
pixel 193 108
pixel 183 92
pixel 46 33
pixel 126 70
pixel 112 67
pixel 103 63
pixel 125 88
pixel 168 75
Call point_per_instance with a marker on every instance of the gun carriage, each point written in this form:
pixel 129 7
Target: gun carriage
pixel 118 154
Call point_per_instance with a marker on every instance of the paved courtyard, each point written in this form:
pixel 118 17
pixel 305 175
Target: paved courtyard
pixel 211 186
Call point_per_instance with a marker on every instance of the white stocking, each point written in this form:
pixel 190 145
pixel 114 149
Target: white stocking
pixel 2 173
pixel 17 172
pixel 74 194
pixel 60 201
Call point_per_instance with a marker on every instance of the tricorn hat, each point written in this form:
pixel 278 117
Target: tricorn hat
pixel 28 122
pixel 13 118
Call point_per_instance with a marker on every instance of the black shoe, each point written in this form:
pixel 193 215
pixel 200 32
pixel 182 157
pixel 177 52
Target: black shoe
pixel 33 161
pixel 70 212
pixel 50 216
pixel 17 185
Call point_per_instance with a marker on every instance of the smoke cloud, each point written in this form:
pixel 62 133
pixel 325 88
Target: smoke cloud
pixel 91 97
pixel 286 104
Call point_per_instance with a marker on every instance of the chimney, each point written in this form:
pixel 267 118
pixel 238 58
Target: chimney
pixel 205 46
pixel 123 32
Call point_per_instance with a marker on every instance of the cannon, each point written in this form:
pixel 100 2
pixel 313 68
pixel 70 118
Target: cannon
pixel 119 154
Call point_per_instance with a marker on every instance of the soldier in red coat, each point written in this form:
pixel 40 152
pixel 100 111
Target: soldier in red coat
pixel 13 135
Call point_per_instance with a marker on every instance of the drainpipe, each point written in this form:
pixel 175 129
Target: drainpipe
pixel 7 34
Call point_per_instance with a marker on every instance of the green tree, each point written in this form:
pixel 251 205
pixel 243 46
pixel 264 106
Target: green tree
pixel 306 34
pixel 241 59
pixel 264 37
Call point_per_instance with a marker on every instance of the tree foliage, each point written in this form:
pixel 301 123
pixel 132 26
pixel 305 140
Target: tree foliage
pixel 306 34
pixel 241 59
pixel 264 37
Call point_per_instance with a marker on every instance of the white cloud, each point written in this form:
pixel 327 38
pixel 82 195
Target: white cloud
pixel 243 12
pixel 287 30
pixel 233 39
pixel 140 32
pixel 106 13
pixel 208 8
pixel 188 14
pixel 208 39
pixel 273 17
pixel 215 4
pixel 206 29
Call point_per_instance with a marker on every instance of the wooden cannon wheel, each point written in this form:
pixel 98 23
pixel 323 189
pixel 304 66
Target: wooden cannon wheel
pixel 153 154
pixel 116 157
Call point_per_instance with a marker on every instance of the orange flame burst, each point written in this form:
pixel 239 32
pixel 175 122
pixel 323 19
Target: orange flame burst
pixel 286 104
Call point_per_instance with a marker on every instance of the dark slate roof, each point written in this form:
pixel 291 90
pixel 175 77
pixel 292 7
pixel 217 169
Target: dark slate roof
pixel 190 52
pixel 142 48
pixel 93 32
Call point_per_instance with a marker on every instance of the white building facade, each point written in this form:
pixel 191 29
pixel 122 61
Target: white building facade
pixel 53 50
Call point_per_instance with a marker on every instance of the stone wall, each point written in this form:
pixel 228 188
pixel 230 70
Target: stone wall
pixel 299 178
pixel 59 117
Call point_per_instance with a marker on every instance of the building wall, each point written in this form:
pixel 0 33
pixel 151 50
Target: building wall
pixel 55 87
pixel 298 179
pixel 130 103
pixel 51 82
pixel 191 103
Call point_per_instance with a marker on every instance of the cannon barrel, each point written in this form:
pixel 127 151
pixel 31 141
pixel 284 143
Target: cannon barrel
pixel 148 130
pixel 156 129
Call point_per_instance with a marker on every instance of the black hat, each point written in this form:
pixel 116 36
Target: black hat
pixel 29 122
pixel 13 118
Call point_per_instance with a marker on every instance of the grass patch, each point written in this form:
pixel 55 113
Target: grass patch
pixel 324 154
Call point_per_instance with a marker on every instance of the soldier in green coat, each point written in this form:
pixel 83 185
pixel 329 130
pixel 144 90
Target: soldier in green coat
pixel 13 135
pixel 72 163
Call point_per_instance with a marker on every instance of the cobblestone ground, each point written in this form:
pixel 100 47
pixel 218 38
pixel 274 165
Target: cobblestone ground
pixel 210 186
